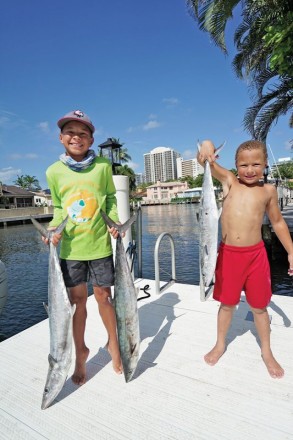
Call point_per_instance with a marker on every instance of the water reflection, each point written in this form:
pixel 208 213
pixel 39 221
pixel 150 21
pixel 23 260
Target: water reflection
pixel 26 260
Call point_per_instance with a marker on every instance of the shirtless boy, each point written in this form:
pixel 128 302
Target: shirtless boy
pixel 242 262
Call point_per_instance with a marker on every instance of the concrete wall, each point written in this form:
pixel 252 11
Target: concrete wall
pixel 23 212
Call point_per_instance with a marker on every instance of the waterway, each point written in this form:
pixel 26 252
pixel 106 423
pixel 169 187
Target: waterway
pixel 26 260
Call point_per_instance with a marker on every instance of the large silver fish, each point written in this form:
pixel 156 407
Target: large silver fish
pixel 208 232
pixel 125 303
pixel 60 313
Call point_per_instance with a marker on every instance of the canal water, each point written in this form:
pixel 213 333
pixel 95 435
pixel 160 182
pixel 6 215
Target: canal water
pixel 26 260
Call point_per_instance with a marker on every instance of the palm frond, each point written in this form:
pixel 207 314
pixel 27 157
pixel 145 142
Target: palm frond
pixel 265 112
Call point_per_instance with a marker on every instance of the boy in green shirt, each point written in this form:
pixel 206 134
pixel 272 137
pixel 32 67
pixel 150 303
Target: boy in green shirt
pixel 81 184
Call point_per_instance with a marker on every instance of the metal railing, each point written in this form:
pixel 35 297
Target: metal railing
pixel 138 253
pixel 160 289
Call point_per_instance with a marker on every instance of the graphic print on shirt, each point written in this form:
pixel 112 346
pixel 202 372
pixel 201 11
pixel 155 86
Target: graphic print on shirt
pixel 81 206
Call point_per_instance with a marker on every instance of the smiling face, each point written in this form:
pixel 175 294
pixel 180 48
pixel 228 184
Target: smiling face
pixel 77 139
pixel 250 165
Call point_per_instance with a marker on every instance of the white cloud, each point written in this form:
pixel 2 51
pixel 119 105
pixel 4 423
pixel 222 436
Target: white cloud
pixel 14 156
pixel 150 125
pixel 17 156
pixel 189 154
pixel 31 156
pixel 44 126
pixel 8 175
pixel 3 121
pixel 133 165
pixel 171 101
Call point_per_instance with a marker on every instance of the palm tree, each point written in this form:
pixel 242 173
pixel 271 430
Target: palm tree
pixel 264 53
pixel 125 170
pixel 27 182
pixel 123 152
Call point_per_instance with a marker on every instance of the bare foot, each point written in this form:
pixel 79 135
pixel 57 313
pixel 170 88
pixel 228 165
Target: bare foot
pixel 116 359
pixel 214 355
pixel 274 368
pixel 79 375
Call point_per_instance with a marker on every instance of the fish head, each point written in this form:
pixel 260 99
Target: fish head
pixel 56 377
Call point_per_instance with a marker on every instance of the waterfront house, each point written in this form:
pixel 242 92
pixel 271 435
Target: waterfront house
pixel 15 197
pixel 42 198
pixel 163 192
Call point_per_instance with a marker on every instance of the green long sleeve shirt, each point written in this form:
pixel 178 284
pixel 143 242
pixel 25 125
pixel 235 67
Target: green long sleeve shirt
pixel 81 195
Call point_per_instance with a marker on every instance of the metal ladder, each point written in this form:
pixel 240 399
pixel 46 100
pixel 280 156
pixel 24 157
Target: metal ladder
pixel 157 264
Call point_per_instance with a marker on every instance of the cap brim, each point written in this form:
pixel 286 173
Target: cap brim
pixel 64 121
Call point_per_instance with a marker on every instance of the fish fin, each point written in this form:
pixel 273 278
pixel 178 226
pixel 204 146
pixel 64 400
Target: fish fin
pixel 219 212
pixel 132 349
pixel 198 145
pixel 46 308
pixel 52 361
pixel 120 228
pixel 217 151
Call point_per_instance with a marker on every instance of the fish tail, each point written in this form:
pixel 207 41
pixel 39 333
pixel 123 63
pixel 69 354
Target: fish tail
pixel 43 231
pixel 217 150
pixel 120 228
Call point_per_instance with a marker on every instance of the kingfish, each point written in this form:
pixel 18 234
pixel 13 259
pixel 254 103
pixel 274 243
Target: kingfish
pixel 208 232
pixel 60 313
pixel 125 303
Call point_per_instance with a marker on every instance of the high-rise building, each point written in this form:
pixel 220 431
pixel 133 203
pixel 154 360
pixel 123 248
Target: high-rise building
pixel 160 164
pixel 189 167
pixel 139 179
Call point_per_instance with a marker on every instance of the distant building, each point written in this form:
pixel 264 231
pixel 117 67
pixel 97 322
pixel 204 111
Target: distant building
pixel 139 179
pixel 189 167
pixel 42 198
pixel 12 196
pixel 15 197
pixel 160 165
pixel 165 191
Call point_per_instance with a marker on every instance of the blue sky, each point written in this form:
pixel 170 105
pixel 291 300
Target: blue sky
pixel 142 71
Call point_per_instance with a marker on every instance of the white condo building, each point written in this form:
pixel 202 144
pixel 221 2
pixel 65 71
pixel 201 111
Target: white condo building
pixel 189 167
pixel 160 164
pixel 139 179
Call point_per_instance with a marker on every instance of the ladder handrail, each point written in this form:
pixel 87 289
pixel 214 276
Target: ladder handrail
pixel 157 264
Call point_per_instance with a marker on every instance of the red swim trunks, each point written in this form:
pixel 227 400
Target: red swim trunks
pixel 243 268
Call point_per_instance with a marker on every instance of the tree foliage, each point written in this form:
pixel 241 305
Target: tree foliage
pixel 285 170
pixel 30 183
pixel 125 170
pixel 263 40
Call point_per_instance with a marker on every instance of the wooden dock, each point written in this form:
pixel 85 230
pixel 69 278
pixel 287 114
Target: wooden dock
pixel 174 394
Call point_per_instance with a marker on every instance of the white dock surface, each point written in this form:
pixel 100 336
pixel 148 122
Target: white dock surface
pixel 174 393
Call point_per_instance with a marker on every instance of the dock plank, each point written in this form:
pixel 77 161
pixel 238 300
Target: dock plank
pixel 174 394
